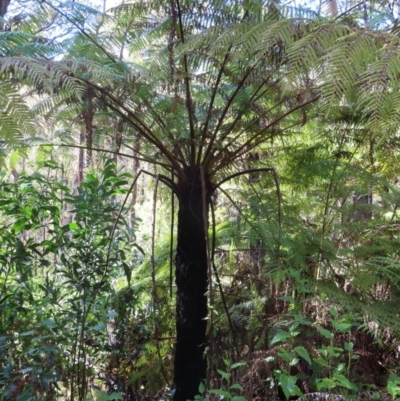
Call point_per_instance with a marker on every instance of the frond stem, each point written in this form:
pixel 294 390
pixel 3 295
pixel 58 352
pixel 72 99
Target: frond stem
pixel 151 161
pixel 208 151
pixel 257 170
pixel 189 101
pixel 153 280
pixel 82 31
pixel 221 290
pixel 210 107
pixel 249 144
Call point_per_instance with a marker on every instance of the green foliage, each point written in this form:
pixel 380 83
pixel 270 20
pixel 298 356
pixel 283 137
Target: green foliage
pixel 204 86
pixel 57 271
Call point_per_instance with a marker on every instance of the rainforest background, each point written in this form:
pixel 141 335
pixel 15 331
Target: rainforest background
pixel 199 200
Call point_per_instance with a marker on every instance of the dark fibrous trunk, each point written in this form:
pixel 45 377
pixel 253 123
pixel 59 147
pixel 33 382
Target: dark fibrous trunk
pixel 192 283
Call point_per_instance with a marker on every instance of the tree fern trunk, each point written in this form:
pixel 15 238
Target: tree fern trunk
pixel 191 303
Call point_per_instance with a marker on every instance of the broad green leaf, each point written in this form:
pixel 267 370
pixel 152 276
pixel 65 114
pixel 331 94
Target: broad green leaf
pixel 282 336
pixel 201 388
pixel 19 225
pixel 325 383
pixel 393 385
pixel 91 178
pixel 343 327
pixel 288 385
pixel 28 212
pixel 326 333
pixel 236 386
pixel 111 315
pixel 99 327
pixel 321 362
pixel 73 226
pixel 348 346
pixel 302 320
pixel 343 381
pixel 223 374
pixel 49 323
pixel 303 353
pixel 239 398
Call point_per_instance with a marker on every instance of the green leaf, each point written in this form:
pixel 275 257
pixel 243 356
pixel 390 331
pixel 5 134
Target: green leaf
pixel 393 385
pixel 236 386
pixel 49 323
pixel 348 346
pixel 26 370
pixel 343 381
pixel 282 336
pixel 127 271
pixel 343 327
pixel 333 312
pixel 73 226
pixel 236 365
pixel 223 374
pixel 110 397
pixel 301 320
pixel 288 385
pixel 303 353
pixel 28 212
pixel 91 178
pixel 19 225
pixel 325 383
pixel 239 398
pixel 288 298
pixel 326 333
pixel 111 315
pixel 201 388
pixel 321 362
pixel 99 327
pixel 27 333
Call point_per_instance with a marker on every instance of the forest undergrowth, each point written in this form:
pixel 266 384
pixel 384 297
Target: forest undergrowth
pixel 86 314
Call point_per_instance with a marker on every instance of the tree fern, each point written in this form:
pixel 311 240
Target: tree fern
pixel 203 86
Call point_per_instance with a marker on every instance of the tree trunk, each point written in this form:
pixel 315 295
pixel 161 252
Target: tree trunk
pixel 192 283
pixel 3 7
pixel 81 157
pixel 135 171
